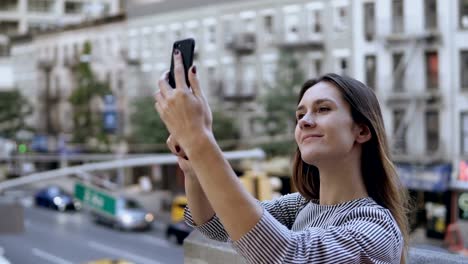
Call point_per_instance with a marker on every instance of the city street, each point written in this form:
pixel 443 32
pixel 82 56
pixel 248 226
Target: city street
pixel 63 238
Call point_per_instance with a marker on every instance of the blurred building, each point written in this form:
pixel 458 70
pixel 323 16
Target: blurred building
pixel 22 16
pixel 414 54
pixel 45 68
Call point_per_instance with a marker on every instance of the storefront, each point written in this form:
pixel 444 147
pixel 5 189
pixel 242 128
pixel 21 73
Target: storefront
pixel 461 195
pixel 429 186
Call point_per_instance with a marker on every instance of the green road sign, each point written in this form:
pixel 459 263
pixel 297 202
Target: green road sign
pixel 94 198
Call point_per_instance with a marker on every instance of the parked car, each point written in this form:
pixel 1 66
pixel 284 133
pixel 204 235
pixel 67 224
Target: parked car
pixel 56 198
pixel 129 215
pixel 177 232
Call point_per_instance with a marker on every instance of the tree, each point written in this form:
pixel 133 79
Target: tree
pixel 225 130
pixel 14 108
pixel 148 128
pixel 280 103
pixel 88 124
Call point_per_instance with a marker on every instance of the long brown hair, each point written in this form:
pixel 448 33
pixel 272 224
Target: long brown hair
pixel 379 174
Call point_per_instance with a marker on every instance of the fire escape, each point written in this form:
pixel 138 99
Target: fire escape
pixel 401 97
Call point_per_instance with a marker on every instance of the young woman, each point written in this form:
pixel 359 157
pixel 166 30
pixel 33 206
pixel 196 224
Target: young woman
pixel 350 205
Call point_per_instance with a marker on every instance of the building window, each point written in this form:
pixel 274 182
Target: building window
pixel 430 14
pixel 463 14
pixel 8 5
pixel 229 80
pixel 399 131
pixel 227 30
pixel 8 27
pixel 398 72
pixel 291 23
pixel 248 79
pixel 318 67
pixel 211 78
pixel 464 133
pixel 73 7
pixel 40 5
pixel 317 64
pixel 269 73
pixel 464 70
pixel 249 25
pixel 315 21
pixel 371 71
pixel 268 23
pixel 432 70
pixel 432 131
pixel 369 21
pixel 397 16
pixel 344 66
pixel 211 34
pixel 341 17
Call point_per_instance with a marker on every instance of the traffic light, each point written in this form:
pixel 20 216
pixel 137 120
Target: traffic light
pixel 22 148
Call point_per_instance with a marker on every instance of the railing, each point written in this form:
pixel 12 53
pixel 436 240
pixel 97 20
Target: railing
pixel 119 163
pixel 242 43
pixel 201 250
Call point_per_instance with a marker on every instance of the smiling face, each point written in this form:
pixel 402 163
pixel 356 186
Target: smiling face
pixel 325 129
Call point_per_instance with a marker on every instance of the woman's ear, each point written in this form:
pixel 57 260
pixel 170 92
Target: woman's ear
pixel 363 133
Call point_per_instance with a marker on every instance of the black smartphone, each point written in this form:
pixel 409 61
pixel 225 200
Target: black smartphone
pixel 186 48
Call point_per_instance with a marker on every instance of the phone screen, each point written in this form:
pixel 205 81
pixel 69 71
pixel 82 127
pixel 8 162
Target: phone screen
pixel 186 48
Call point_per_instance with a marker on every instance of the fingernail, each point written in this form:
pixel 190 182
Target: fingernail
pixel 185 157
pixel 176 52
pixel 194 69
pixel 177 148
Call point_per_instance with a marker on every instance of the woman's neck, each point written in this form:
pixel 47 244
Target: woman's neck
pixel 341 181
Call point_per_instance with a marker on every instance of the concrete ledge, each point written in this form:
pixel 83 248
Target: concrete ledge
pixel 201 250
pixel 12 217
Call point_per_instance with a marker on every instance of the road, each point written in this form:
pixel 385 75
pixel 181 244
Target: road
pixel 65 238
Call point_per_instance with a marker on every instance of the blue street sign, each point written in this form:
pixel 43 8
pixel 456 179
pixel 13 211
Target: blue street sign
pixel 434 178
pixel 110 115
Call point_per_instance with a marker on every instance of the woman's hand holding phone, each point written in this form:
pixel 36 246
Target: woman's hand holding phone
pixel 185 111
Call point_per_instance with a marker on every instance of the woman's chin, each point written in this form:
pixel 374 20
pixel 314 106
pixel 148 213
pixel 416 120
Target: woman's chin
pixel 311 158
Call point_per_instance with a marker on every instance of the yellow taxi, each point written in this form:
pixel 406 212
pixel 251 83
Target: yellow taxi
pixel 177 208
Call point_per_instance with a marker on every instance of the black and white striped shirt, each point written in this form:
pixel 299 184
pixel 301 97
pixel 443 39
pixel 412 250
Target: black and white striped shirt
pixel 294 230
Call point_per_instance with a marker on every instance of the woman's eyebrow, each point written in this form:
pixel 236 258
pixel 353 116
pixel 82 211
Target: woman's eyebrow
pixel 316 102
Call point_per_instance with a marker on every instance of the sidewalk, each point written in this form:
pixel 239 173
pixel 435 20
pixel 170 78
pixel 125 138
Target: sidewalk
pixel 418 239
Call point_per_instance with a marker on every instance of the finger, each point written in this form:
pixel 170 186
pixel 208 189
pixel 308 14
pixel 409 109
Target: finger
pixel 174 146
pixel 164 86
pixel 170 144
pixel 183 164
pixel 194 83
pixel 159 109
pixel 179 74
pixel 159 97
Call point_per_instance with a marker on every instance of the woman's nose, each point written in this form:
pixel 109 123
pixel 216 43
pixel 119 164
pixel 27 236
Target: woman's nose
pixel 307 121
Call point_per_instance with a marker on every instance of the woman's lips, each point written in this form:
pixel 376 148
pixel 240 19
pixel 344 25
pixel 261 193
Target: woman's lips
pixel 311 137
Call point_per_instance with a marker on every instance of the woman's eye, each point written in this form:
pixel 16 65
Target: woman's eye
pixel 299 116
pixel 323 109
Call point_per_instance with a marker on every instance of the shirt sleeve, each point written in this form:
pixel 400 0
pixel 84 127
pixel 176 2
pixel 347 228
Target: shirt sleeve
pixel 284 209
pixel 366 236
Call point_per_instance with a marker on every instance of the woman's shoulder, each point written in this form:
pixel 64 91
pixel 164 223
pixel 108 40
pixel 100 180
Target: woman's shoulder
pixel 295 198
pixel 372 212
pixel 368 207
